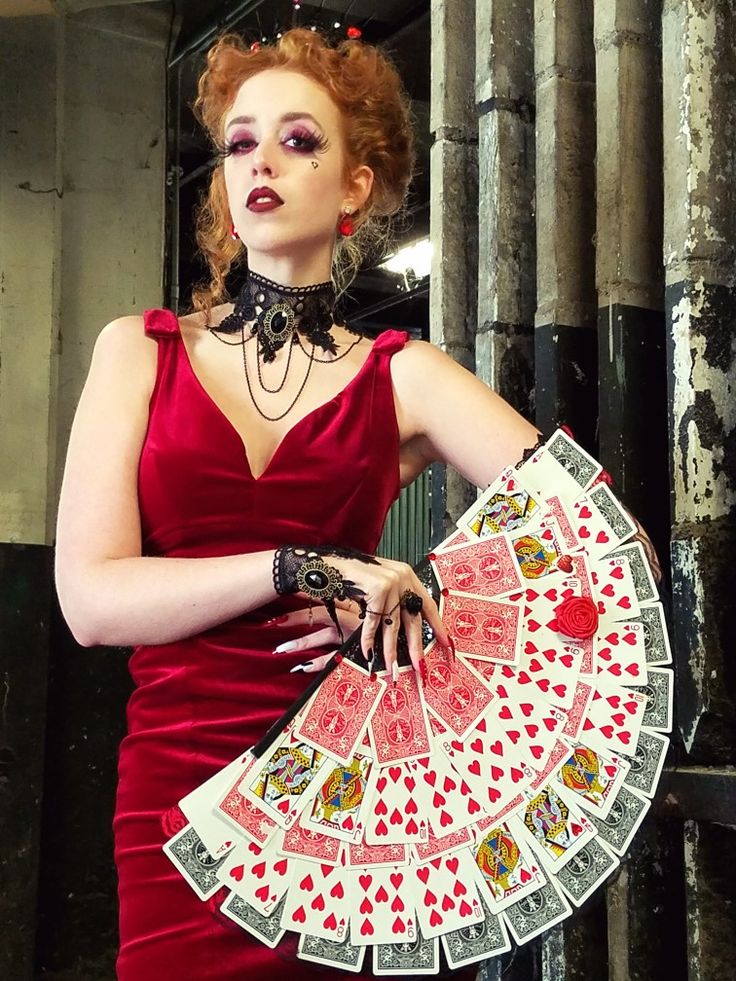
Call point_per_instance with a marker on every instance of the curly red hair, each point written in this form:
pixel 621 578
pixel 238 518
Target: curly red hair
pixel 377 128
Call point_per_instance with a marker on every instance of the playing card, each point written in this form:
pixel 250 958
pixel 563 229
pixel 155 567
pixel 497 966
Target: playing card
pixel 530 724
pixel 394 815
pixel 541 551
pixel 481 628
pixel 310 845
pixel 335 718
pixel 488 761
pixel 593 777
pixel 446 894
pixel 656 640
pixel 504 506
pixel 509 867
pixel 458 537
pixel 453 691
pixel 549 668
pixel 342 799
pixel 342 955
pixel 282 782
pixel 555 826
pixel 646 762
pixel 382 906
pixel 578 710
pixel 444 796
pixel 613 589
pixel 214 831
pixel 260 876
pixel 267 929
pixel 560 464
pixel 600 523
pixel 444 845
pixel 541 602
pixel 554 507
pixel 239 812
pixel 560 753
pixel 362 855
pixel 474 943
pixel 620 654
pixel 586 870
pixel 614 719
pixel 536 913
pixel 641 572
pixel 486 569
pixel 420 957
pixel 399 726
pixel 194 862
pixel 618 827
pixel 659 693
pixel 316 902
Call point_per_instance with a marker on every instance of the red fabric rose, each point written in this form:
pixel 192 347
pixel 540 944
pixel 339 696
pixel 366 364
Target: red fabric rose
pixel 577 617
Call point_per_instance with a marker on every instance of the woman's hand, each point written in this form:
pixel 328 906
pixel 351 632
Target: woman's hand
pixel 383 585
pixel 643 537
pixel 321 632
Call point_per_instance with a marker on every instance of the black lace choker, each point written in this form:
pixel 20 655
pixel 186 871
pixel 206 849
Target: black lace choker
pixel 281 313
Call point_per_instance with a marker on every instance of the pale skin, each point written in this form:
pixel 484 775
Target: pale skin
pixel 109 592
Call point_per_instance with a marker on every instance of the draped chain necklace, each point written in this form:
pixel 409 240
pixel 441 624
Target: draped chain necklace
pixel 278 316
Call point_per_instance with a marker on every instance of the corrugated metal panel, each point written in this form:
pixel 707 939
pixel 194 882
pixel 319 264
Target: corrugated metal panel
pixel 406 534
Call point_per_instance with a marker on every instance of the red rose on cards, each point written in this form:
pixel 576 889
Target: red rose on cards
pixel 577 617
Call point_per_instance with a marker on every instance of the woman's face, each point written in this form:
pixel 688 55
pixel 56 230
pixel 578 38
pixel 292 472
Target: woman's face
pixel 283 132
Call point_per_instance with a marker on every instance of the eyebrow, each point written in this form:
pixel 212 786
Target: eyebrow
pixel 288 117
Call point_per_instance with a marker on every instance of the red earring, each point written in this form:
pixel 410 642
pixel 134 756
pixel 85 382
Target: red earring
pixel 347 225
pixel 233 234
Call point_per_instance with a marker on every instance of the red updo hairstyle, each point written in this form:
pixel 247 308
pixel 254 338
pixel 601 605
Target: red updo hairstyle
pixel 377 128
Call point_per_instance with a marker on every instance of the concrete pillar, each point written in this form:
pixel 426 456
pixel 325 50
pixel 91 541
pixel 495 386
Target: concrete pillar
pixel 699 78
pixel 699 84
pixel 565 342
pixel 632 377
pixel 504 92
pixel 710 853
pixel 81 242
pixel 453 217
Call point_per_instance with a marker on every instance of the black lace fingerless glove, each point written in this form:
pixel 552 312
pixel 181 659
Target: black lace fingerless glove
pixel 302 568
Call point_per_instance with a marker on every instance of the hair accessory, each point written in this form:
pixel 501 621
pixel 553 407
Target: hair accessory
pixel 281 315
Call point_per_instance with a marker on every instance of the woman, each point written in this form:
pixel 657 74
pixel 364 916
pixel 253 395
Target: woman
pixel 206 450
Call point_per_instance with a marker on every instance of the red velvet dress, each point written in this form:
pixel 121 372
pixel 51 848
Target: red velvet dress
pixel 199 702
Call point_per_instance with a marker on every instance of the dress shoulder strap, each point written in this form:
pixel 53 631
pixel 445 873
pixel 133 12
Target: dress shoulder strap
pixel 390 341
pixel 161 322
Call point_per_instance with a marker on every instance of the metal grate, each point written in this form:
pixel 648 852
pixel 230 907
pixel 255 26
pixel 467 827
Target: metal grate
pixel 406 533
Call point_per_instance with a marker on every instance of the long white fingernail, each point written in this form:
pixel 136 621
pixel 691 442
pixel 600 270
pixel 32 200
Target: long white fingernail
pixel 288 645
pixel 305 666
pixel 395 672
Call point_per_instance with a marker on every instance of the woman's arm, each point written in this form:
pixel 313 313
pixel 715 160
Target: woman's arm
pixel 454 417
pixel 108 592
pixel 464 423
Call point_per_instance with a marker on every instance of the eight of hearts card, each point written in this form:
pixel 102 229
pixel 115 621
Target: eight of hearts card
pixel 478 804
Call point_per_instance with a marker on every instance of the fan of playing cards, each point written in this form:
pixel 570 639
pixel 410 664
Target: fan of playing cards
pixel 476 808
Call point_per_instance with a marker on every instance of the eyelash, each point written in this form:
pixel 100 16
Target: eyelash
pixel 311 143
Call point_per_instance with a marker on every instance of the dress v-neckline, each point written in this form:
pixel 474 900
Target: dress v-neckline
pixel 284 439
